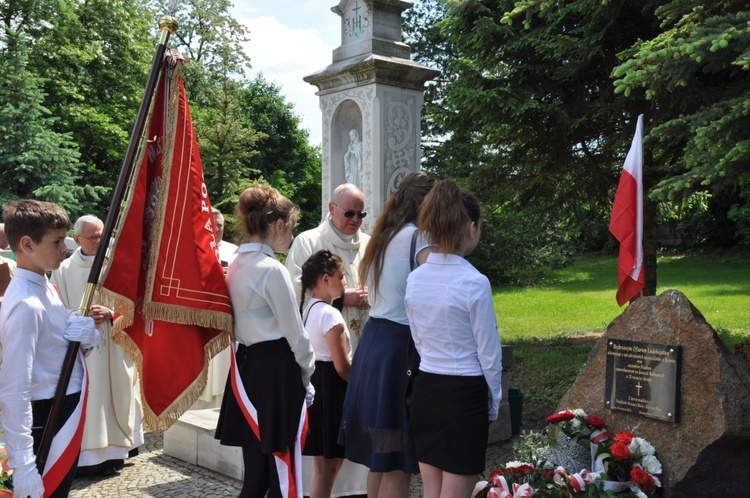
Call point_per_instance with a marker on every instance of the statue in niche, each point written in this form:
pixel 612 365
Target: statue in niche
pixel 353 159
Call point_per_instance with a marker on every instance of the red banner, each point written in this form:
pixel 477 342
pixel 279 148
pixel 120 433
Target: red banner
pixel 163 275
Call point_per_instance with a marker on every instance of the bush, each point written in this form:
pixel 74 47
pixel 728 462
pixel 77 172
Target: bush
pixel 521 247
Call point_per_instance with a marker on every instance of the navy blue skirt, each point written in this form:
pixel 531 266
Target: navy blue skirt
pixel 375 428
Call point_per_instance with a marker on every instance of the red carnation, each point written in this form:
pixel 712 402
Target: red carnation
pixel 495 472
pixel 620 451
pixel 561 417
pixel 521 470
pixel 624 437
pixel 595 422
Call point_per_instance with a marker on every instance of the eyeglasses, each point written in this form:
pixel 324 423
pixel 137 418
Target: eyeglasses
pixel 91 237
pixel 350 213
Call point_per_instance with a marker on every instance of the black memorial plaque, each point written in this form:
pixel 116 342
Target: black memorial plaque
pixel 643 378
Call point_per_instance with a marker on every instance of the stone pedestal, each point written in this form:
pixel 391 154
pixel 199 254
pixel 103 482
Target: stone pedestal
pixel 371 98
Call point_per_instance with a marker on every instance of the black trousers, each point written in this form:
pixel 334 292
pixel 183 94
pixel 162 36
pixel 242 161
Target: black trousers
pixel 40 410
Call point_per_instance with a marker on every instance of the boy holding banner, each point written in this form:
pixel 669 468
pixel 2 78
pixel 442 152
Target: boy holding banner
pixel 34 332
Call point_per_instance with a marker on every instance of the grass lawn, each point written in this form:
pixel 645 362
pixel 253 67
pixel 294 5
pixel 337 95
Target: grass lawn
pixel 553 326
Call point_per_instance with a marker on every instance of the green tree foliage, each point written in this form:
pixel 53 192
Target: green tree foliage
pixel 286 159
pixel 696 74
pixel 37 162
pixel 212 40
pixel 227 144
pixel 536 105
pixel 94 57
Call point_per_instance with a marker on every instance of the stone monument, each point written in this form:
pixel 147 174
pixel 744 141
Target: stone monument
pixel 371 98
pixel 702 436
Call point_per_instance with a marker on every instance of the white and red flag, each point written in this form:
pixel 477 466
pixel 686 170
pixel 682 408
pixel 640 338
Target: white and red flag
pixel 163 275
pixel 626 223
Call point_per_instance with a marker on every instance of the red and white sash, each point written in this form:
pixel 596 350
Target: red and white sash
pixel 66 444
pixel 288 464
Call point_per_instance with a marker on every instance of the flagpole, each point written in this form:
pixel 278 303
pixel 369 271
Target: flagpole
pixel 167 25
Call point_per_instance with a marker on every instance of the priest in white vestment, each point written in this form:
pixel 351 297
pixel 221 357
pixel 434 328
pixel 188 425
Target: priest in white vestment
pixel 113 426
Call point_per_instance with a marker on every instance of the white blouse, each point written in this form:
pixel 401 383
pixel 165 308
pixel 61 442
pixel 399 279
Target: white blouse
pixel 388 301
pixel 319 318
pixel 453 323
pixel 264 304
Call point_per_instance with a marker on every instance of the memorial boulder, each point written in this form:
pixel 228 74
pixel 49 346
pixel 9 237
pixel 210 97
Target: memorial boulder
pixel 704 444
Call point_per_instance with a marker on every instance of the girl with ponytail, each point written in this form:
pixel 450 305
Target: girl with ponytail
pixel 453 324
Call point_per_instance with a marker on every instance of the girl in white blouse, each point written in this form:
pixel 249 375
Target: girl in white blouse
pixel 449 305
pixel 274 357
pixel 323 274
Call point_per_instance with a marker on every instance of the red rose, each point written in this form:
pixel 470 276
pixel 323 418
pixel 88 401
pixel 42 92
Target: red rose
pixel 624 437
pixel 643 479
pixel 595 422
pixel 547 473
pixel 620 451
pixel 561 417
pixel 639 476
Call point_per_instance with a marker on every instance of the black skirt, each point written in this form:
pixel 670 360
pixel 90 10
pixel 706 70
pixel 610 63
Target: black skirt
pixel 324 416
pixel 273 382
pixel 450 420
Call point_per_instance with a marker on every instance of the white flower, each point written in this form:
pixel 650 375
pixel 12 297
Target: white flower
pixel 637 491
pixel 580 413
pixel 651 464
pixel 514 464
pixel 576 423
pixel 640 446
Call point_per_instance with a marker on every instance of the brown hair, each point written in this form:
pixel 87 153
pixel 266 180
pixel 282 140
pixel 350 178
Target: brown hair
pixel 260 206
pixel 323 262
pixel 445 212
pixel 33 218
pixel 401 208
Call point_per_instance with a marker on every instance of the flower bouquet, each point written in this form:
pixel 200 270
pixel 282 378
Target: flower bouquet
pixel 574 438
pixel 628 467
pixel 521 480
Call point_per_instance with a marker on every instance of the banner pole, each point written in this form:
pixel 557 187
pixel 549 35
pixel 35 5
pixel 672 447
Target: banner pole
pixel 167 25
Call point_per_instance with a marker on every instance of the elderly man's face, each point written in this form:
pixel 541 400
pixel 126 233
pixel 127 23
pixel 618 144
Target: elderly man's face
pixel 219 220
pixel 350 201
pixel 90 237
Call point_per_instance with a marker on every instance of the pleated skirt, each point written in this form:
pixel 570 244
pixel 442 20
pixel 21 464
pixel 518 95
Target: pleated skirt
pixel 324 416
pixel 273 383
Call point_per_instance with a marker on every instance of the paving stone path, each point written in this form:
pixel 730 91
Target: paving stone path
pixel 154 474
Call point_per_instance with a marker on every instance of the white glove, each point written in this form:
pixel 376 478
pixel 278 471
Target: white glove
pixel 310 395
pixel 27 482
pixel 82 329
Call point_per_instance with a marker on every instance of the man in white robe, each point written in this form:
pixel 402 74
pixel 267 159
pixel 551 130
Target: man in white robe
pixel 339 233
pixel 218 367
pixel 113 428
